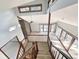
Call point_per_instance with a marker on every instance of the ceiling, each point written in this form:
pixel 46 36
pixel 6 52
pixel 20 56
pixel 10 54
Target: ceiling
pixel 7 4
pixel 59 4
pixel 44 8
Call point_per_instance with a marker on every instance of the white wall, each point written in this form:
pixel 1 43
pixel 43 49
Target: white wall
pixel 27 27
pixel 67 15
pixel 35 27
pixel 36 18
pixel 7 20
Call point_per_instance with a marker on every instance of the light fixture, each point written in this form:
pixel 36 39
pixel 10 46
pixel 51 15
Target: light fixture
pixel 12 28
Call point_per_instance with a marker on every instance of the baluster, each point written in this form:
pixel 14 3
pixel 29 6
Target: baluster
pixel 62 57
pixel 55 54
pixel 65 36
pixel 61 33
pixel 58 55
pixel 72 41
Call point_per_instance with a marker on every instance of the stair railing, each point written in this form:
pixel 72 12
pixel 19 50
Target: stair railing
pixel 59 52
pixel 31 53
pixel 56 52
pixel 61 42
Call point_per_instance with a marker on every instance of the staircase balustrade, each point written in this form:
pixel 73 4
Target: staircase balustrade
pixel 31 53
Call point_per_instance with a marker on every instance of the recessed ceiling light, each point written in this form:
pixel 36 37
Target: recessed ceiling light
pixel 12 28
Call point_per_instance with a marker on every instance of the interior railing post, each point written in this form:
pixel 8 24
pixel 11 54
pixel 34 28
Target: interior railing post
pixel 72 41
pixel 20 44
pixel 58 55
pixel 61 33
pixel 55 27
pixel 49 24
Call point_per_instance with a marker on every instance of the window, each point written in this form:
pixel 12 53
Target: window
pixel 24 9
pixel 43 28
pixel 37 8
pixel 30 8
pixel 58 31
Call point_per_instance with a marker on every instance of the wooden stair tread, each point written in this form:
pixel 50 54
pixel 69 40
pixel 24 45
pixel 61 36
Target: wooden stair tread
pixel 44 57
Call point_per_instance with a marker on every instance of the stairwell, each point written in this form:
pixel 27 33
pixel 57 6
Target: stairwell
pixel 43 51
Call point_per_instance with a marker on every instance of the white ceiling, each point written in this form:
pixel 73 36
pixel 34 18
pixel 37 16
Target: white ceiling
pixel 7 4
pixel 59 4
pixel 44 8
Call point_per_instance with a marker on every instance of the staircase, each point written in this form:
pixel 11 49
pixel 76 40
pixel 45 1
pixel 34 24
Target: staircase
pixel 43 51
pixel 30 52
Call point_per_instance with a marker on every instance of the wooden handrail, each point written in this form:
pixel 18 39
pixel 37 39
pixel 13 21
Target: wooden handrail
pixel 49 24
pixel 64 55
pixel 18 52
pixel 23 53
pixel 68 32
pixel 33 50
pixel 60 52
pixel 62 43
pixel 4 54
pixel 10 41
pixel 5 44
pixel 73 38
pixel 64 47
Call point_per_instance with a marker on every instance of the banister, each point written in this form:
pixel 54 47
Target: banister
pixel 18 52
pixel 25 53
pixel 60 52
pixel 68 32
pixel 32 48
pixel 66 56
pixel 71 42
pixel 7 43
pixel 4 54
pixel 64 47
pixel 51 45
